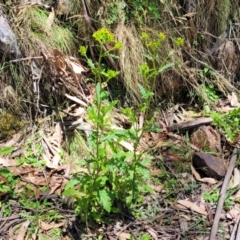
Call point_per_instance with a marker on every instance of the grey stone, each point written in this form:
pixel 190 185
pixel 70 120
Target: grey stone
pixel 209 166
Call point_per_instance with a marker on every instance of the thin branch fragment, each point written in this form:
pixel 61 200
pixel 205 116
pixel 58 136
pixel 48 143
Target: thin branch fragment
pixel 231 166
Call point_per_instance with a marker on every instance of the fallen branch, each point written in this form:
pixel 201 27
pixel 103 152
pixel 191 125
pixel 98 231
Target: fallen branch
pixel 231 166
pixel 190 124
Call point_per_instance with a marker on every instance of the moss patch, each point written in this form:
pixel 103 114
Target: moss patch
pixel 9 124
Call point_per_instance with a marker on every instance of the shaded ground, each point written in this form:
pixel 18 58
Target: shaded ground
pixel 181 206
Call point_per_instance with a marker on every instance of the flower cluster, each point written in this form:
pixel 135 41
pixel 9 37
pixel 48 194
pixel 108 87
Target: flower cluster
pixel 103 35
pixel 144 68
pixel 83 51
pixel 162 36
pixel 179 41
pixel 155 43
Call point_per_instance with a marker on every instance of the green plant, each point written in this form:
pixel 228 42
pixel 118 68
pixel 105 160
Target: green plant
pixel 37 211
pixel 210 91
pixel 55 234
pixel 213 197
pixel 146 237
pixel 115 8
pixel 115 175
pixel 7 182
pixel 6 150
pixel 155 63
pixel 139 10
pixel 228 122
pixel 33 154
pixel 207 72
pixel 171 186
pixel 143 10
pixel 201 224
pixel 190 187
pixel 6 209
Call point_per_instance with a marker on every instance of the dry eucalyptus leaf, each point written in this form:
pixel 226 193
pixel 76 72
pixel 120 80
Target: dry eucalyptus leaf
pixel 124 236
pixel 152 232
pixel 204 180
pixel 233 100
pixel 76 67
pixel 193 206
pixel 23 230
pixel 47 226
pixel 5 162
pixel 58 135
pixel 234 212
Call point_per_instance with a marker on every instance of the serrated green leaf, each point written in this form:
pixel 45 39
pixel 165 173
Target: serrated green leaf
pixel 105 200
pixel 165 67
pixel 145 94
pixel 146 237
pixel 101 180
pixel 72 183
pixel 129 199
pixel 6 150
pixel 90 63
pixel 107 109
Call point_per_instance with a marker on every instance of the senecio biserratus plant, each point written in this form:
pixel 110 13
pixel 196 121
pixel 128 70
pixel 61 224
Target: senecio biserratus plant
pixel 116 177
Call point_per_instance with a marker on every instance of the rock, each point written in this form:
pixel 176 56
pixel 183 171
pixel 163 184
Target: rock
pixel 205 137
pixel 209 165
pixel 8 40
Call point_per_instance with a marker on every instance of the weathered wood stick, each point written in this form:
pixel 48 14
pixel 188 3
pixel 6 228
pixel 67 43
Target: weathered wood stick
pixel 190 124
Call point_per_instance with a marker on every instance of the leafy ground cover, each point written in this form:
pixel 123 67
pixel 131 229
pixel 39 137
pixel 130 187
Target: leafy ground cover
pixel 123 174
pixel 49 191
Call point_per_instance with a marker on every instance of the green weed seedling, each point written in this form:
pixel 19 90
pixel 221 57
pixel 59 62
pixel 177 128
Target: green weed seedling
pixel 7 187
pixel 190 187
pixel 201 224
pixel 141 10
pixel 228 122
pixel 6 150
pixel 32 157
pixel 207 72
pixel 38 211
pixel 54 234
pixel 115 175
pixel 213 197
pixel 211 92
pixel 6 209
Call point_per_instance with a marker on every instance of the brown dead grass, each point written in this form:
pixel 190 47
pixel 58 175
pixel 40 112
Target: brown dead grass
pixel 130 59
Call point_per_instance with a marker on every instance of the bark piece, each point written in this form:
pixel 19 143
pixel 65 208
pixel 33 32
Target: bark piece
pixel 190 124
pixel 209 165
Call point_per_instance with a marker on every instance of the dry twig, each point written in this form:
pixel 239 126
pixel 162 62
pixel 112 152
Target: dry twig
pixel 231 166
pixel 235 228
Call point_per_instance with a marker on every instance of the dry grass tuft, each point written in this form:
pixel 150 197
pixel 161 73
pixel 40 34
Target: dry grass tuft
pixel 38 29
pixel 131 57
